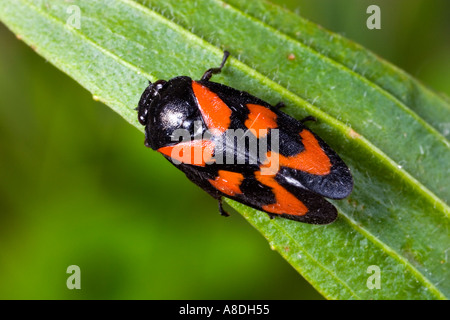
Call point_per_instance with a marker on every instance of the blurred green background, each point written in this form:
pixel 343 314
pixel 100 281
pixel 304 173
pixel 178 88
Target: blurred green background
pixel 77 185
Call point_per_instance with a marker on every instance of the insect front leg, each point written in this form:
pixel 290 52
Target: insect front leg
pixel 208 74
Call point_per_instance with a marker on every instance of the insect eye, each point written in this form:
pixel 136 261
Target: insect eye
pixel 142 115
pixel 158 85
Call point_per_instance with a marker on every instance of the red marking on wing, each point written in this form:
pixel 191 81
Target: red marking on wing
pixel 215 112
pixel 195 152
pixel 228 182
pixel 312 160
pixel 286 202
pixel 260 120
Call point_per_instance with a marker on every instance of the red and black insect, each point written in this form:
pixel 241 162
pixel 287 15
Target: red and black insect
pixel 306 170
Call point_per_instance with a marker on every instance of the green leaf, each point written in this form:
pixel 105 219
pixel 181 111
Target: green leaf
pixel 386 126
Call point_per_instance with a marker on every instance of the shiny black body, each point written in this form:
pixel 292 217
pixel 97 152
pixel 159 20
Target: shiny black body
pixel 169 105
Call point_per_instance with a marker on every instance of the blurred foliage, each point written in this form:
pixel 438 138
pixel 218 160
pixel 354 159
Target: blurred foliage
pixel 76 182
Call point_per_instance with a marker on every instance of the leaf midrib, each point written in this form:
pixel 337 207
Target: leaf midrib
pixel 283 91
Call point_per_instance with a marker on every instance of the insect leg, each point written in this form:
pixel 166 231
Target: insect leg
pixel 208 74
pixel 221 209
pixel 271 215
pixel 279 105
pixel 308 118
